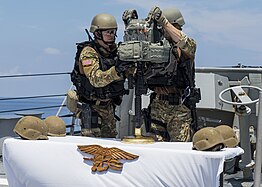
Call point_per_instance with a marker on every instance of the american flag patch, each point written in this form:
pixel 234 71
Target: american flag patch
pixel 87 62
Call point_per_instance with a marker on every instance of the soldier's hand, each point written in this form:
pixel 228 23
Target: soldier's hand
pixel 156 14
pixel 128 15
pixel 122 66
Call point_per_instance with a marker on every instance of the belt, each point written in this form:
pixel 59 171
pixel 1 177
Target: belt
pixel 101 103
pixel 173 99
pixel 162 97
pixel 97 102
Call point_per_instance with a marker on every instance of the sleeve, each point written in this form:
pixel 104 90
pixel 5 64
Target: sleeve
pixel 187 45
pixel 90 62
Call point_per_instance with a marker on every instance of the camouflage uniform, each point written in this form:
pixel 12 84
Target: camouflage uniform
pixel 89 60
pixel 89 65
pixel 177 119
pixel 173 119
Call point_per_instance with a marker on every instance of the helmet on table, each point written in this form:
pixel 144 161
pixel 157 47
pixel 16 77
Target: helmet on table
pixel 56 126
pixel 208 139
pixel 31 128
pixel 228 134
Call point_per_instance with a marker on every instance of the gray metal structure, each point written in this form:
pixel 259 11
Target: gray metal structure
pixel 240 75
pixel 244 84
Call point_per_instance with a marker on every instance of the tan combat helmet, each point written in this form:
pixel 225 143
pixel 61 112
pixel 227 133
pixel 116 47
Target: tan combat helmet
pixel 208 139
pixel 229 136
pixel 56 126
pixel 103 22
pixel 31 128
pixel 173 15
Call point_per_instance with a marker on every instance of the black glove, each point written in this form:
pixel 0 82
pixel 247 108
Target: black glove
pixel 122 66
pixel 128 15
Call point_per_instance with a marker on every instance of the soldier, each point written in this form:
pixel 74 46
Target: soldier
pixel 170 116
pixel 99 78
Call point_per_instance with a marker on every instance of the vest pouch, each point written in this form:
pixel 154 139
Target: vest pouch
pixel 116 89
pixel 71 101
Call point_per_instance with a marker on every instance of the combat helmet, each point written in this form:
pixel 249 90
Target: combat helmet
pixel 103 22
pixel 174 15
pixel 31 128
pixel 228 134
pixel 208 139
pixel 56 126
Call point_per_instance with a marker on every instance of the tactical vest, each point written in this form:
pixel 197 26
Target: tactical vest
pixel 82 83
pixel 179 77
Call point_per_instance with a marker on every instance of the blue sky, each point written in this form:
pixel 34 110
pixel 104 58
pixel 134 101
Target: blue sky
pixel 40 36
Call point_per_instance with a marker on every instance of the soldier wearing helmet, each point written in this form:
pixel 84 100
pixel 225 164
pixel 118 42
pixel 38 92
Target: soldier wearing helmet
pixel 99 78
pixel 170 114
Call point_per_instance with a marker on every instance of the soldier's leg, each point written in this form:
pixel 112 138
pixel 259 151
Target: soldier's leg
pixel 158 122
pixel 178 124
pixel 108 122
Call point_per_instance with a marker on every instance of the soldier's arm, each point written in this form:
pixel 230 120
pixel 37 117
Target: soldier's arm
pixel 185 44
pixel 90 63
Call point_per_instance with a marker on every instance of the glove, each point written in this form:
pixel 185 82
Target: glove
pixel 156 14
pixel 122 66
pixel 128 15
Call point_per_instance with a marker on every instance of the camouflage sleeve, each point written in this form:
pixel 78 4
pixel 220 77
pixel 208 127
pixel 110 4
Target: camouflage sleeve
pixel 90 62
pixel 187 45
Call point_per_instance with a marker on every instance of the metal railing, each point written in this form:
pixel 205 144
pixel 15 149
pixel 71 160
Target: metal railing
pixel 60 107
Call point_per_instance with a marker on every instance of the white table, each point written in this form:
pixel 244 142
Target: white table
pixel 58 163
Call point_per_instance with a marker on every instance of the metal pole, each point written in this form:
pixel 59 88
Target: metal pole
pixel 257 179
pixel 228 70
pixel 243 113
pixel 72 128
pixel 139 90
pixel 63 103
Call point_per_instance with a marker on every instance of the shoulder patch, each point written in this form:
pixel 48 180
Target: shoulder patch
pixel 87 62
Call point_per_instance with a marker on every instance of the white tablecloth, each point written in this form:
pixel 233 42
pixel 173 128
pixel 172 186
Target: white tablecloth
pixel 58 163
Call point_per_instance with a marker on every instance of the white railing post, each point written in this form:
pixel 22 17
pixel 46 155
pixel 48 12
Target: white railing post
pixel 257 179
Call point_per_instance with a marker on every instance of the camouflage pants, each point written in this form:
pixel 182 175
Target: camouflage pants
pixel 177 119
pixel 106 122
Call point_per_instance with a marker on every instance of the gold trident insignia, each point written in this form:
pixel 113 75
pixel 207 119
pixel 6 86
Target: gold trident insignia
pixel 105 158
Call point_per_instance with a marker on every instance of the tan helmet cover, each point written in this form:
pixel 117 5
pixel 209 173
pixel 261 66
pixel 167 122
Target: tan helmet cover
pixel 229 136
pixel 207 138
pixel 173 15
pixel 31 128
pixel 56 126
pixel 103 22
pixel 71 101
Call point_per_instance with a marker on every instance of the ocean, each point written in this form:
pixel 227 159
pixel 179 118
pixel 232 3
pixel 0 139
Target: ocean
pixel 45 106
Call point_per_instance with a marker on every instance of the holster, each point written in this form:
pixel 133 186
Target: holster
pixel 89 118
